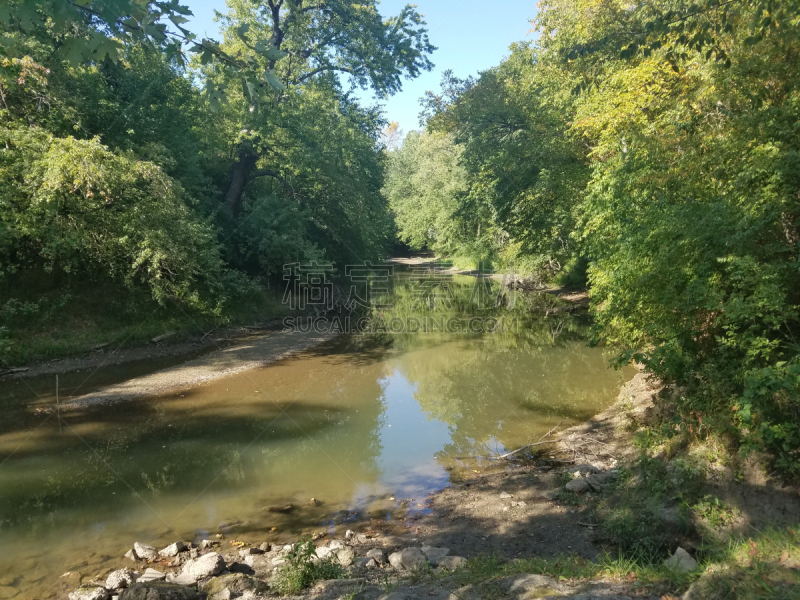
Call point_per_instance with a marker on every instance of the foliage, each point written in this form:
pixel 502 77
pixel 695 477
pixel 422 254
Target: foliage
pixel 72 205
pixel 657 143
pixel 125 163
pixel 302 569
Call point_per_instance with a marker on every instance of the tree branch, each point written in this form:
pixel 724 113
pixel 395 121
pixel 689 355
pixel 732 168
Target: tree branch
pixel 274 175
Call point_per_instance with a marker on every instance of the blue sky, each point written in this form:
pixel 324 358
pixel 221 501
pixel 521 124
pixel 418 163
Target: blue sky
pixel 470 35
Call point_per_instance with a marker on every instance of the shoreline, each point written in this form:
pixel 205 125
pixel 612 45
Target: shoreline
pixel 251 353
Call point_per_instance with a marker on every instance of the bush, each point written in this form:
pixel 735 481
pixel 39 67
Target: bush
pixel 303 569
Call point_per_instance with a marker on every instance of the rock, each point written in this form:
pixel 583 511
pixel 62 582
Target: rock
pixel 163 336
pixel 261 565
pixel 158 591
pixel 151 575
pixel 282 509
pixel 361 538
pixel 537 586
pixel 451 563
pixel 681 561
pixel 345 556
pixel 131 555
pixel 121 579
pixel 505 496
pixel 376 554
pixel 264 547
pixel 223 595
pixel 435 554
pixel 238 583
pixel 349 534
pixel 206 544
pixel 250 552
pixel 336 544
pixel 204 566
pixel 145 552
pixel 395 596
pixel 520 504
pixel 578 486
pixel 396 560
pixel 588 469
pixel 172 550
pixel 598 481
pixel 413 559
pixel 314 502
pixel 323 552
pixel 371 564
pixel 90 592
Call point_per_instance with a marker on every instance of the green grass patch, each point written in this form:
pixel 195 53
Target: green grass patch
pixel 302 570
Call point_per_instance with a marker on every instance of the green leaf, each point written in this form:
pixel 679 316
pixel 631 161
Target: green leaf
pixel 270 52
pixel 275 83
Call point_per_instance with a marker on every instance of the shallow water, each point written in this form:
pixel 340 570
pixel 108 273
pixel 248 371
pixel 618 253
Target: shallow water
pixel 368 425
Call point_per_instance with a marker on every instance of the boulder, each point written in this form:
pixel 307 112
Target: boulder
pixel 158 591
pixel 323 552
pixel 121 579
pixel 145 552
pixel 435 554
pixel 413 559
pixel 396 560
pixel 681 561
pixel 376 554
pixel 204 566
pixel 172 550
pixel 578 485
pixel 451 563
pixel 90 592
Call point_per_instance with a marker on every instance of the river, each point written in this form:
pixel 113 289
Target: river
pixel 366 425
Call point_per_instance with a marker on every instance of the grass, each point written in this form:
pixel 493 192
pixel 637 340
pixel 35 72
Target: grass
pixel 302 570
pixel 50 324
pixel 742 569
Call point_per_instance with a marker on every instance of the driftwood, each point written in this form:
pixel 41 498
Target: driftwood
pixel 538 443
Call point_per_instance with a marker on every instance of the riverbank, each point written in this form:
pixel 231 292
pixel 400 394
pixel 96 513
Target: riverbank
pixel 578 517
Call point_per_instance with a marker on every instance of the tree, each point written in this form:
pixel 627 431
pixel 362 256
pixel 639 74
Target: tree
pixel 321 40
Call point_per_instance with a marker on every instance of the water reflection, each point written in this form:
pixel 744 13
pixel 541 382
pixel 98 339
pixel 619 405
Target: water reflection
pixel 367 425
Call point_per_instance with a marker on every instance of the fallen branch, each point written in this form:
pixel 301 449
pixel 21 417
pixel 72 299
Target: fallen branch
pixel 539 443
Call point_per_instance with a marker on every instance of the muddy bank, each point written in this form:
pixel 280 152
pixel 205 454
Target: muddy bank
pixel 251 353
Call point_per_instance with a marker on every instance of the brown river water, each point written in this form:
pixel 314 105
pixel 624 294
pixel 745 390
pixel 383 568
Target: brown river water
pixel 367 424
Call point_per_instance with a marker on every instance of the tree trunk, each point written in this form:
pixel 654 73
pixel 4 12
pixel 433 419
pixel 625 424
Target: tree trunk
pixel 241 174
